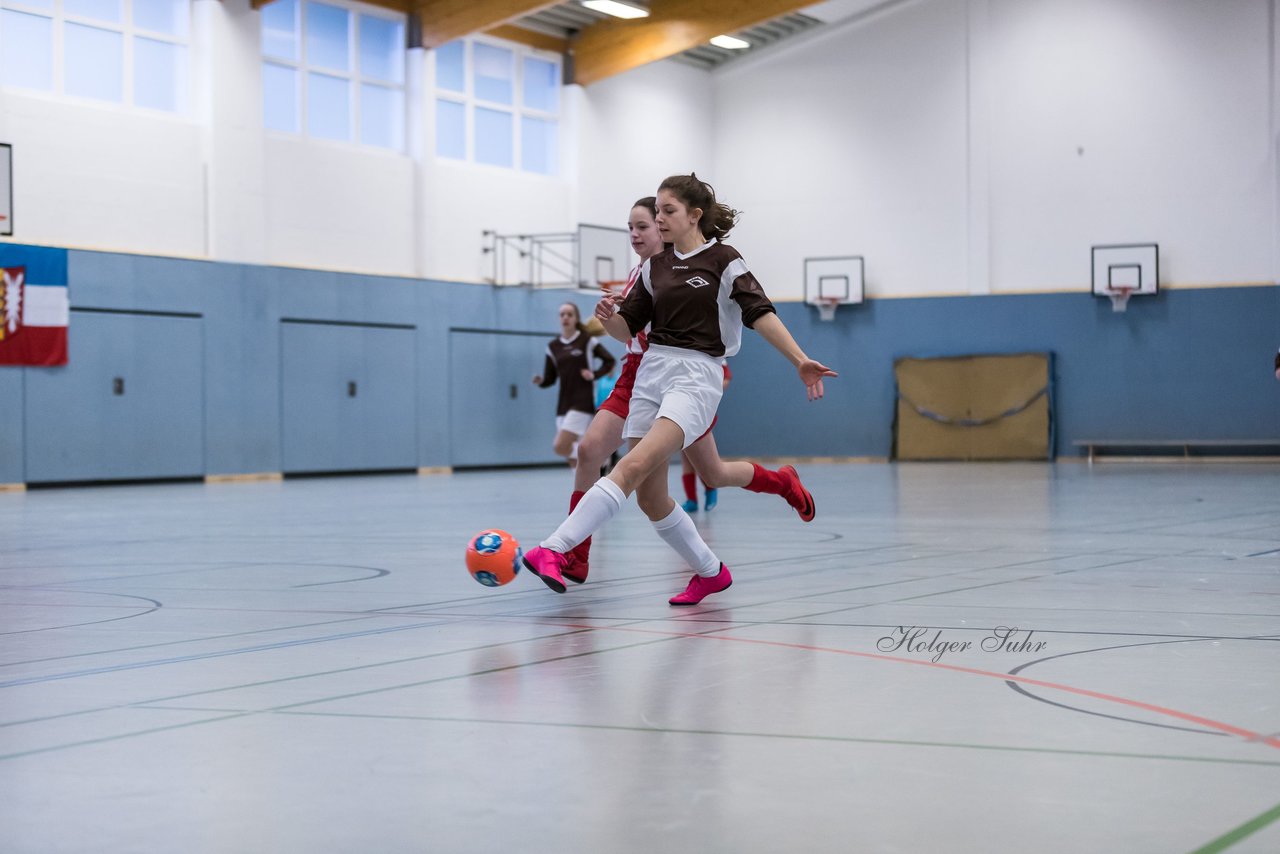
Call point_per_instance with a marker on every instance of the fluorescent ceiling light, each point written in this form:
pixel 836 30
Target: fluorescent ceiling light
pixel 618 10
pixel 730 42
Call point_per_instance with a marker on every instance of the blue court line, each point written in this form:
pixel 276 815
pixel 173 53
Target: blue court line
pixel 116 668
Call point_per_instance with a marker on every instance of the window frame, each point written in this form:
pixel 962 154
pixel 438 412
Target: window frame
pixel 354 78
pixel 516 109
pixel 129 32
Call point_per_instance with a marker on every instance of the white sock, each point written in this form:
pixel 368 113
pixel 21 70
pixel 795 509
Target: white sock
pixel 682 535
pixel 596 507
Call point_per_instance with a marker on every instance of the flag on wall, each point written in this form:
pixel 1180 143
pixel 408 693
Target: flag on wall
pixel 34 306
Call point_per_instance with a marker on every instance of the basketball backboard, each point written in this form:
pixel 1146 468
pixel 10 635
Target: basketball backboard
pixel 832 282
pixel 604 255
pixel 1126 269
pixel 6 189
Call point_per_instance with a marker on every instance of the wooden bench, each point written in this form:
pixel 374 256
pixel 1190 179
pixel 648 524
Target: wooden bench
pixel 1092 446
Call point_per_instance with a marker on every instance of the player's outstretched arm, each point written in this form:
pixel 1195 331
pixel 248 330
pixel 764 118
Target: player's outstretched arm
pixel 811 372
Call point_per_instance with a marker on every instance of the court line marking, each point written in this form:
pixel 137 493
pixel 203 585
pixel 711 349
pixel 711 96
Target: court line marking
pixel 1236 834
pixel 899 742
pixel 203 656
pixel 1247 735
pixel 289 709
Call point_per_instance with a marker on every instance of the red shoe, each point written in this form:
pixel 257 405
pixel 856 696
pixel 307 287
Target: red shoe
pixel 547 565
pixel 799 497
pixel 577 569
pixel 700 588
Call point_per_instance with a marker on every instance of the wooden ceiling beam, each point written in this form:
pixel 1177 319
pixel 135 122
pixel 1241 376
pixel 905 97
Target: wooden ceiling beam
pixel 613 46
pixel 405 6
pixel 445 20
pixel 520 35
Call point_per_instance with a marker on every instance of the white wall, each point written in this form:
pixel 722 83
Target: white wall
pixel 1117 121
pixel 638 128
pixel 93 176
pixel 852 143
pixel 984 146
pixel 337 206
pixel 962 146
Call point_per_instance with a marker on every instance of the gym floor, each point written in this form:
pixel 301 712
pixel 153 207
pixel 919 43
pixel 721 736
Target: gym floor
pixel 950 658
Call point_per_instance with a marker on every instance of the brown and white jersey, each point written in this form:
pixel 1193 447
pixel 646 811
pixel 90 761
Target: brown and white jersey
pixel 639 342
pixel 565 360
pixel 698 301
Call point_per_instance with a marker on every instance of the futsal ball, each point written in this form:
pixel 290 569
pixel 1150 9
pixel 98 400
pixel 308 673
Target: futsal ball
pixel 493 558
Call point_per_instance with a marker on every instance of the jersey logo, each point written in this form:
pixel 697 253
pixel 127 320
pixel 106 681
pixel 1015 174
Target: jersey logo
pixel 697 282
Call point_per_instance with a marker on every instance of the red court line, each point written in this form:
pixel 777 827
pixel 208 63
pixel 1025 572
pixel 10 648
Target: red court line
pixel 1248 735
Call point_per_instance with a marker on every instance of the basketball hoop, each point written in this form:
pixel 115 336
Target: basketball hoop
pixel 612 286
pixel 1119 297
pixel 827 307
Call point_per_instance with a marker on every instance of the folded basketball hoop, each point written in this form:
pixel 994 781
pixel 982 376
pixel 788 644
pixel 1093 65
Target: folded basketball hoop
pixel 1119 297
pixel 827 307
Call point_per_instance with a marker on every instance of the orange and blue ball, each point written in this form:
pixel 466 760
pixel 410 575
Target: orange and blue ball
pixel 493 557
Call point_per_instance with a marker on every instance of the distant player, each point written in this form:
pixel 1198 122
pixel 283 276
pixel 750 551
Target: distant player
pixel 569 360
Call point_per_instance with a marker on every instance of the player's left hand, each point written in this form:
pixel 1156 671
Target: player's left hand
pixel 811 373
pixel 588 374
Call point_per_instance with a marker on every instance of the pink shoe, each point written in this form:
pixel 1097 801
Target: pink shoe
pixel 547 565
pixel 799 497
pixel 700 588
pixel 577 568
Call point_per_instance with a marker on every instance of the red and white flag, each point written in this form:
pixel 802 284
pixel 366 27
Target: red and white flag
pixel 33 320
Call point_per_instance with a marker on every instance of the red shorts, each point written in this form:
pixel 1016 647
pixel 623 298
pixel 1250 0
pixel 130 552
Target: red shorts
pixel 619 400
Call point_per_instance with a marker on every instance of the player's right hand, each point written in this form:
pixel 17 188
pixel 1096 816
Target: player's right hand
pixel 607 306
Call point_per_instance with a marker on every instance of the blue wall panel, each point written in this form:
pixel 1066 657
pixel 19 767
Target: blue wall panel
pixel 1188 363
pixel 347 398
pixel 79 428
pixel 497 414
pixel 12 433
pixel 1184 364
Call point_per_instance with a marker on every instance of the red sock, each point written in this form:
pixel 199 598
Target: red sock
pixel 690 486
pixel 582 549
pixel 768 481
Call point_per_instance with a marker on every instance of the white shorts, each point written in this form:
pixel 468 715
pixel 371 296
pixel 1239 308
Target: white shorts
pixel 682 385
pixel 574 421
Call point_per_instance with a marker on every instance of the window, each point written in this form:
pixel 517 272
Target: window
pixel 131 52
pixel 333 71
pixel 498 105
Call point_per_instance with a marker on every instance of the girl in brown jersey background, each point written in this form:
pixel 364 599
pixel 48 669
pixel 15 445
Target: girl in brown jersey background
pixel 569 359
pixel 687 297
